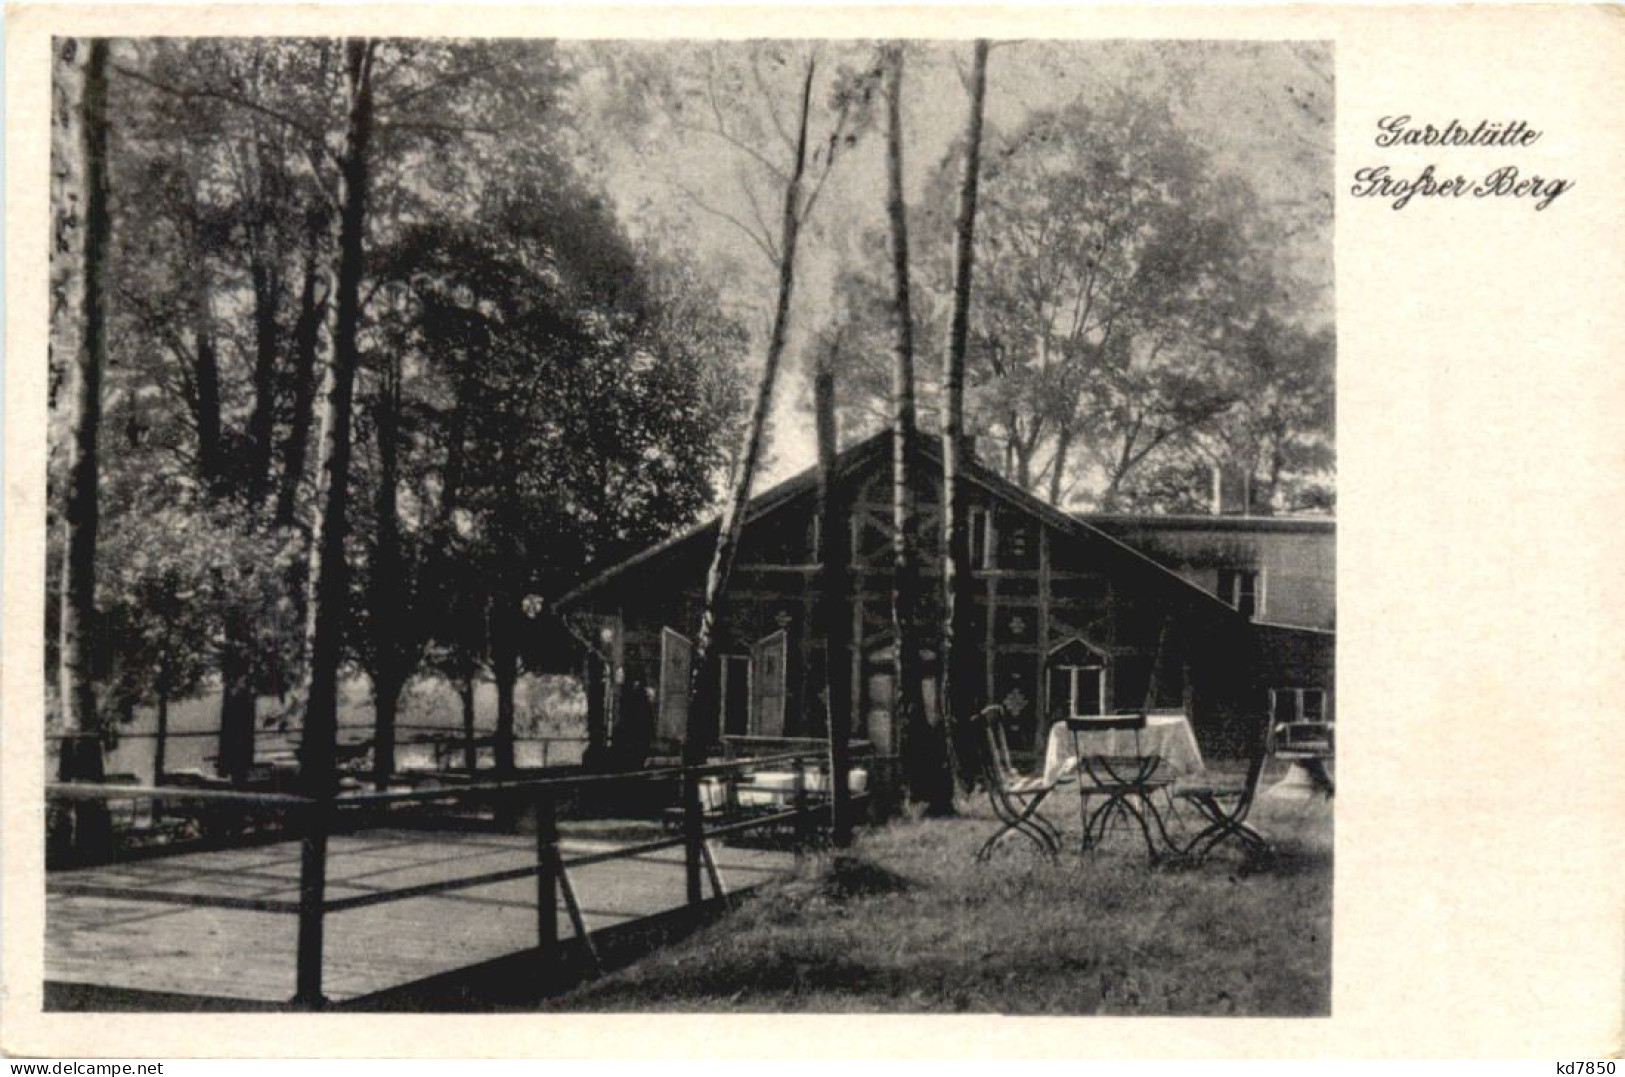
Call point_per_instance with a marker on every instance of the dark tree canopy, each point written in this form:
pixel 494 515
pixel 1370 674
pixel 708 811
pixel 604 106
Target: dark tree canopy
pixel 535 391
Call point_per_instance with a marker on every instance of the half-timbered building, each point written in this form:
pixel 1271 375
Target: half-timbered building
pixel 1066 619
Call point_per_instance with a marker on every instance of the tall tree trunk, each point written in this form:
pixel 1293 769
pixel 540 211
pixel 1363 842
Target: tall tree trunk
pixel 81 749
pixel 958 658
pixel 705 673
pixel 920 746
pixel 306 340
pixel 506 619
pixel 235 754
pixel 1063 444
pixel 834 595
pixel 465 694
pixel 206 382
pixel 261 420
pixel 505 672
pixel 386 702
pixel 160 749
pixel 704 679
pixel 165 685
pixel 329 577
pixel 390 647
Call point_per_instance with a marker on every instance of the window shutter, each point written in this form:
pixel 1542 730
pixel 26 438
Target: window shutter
pixel 676 659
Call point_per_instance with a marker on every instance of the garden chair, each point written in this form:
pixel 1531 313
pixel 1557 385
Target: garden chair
pixel 1015 798
pixel 1125 782
pixel 1224 807
pixel 1309 745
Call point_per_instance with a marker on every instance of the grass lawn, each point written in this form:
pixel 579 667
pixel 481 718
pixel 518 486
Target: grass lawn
pixel 907 922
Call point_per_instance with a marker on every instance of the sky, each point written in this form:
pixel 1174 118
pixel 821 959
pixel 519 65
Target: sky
pixel 1263 110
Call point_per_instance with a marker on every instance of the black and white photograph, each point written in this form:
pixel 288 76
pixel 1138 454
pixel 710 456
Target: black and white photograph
pixel 772 525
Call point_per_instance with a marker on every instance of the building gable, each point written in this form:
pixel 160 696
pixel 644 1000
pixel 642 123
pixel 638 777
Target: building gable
pixel 780 530
pixel 1042 579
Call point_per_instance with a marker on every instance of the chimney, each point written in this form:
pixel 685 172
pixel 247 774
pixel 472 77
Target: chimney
pixel 1232 491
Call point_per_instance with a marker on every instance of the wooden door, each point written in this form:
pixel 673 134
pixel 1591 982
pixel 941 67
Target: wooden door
pixel 736 694
pixel 767 690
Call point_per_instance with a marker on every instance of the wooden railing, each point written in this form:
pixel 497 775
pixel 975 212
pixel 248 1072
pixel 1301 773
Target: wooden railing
pixel 451 747
pixel 314 820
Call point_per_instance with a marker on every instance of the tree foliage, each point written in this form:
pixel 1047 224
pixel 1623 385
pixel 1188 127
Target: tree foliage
pixel 1123 311
pixel 534 390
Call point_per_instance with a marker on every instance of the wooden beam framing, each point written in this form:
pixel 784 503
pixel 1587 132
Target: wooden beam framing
pixel 1042 693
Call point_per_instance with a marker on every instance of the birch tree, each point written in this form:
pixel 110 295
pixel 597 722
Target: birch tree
pixel 731 100
pixel 329 576
pixel 834 589
pixel 957 657
pixel 921 743
pixel 87 240
pixel 701 691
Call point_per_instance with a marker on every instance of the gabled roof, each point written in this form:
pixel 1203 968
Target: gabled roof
pixel 806 482
pixel 876 446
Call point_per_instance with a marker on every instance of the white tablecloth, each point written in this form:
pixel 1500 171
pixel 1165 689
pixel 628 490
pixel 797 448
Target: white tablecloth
pixel 1167 735
pixel 773 788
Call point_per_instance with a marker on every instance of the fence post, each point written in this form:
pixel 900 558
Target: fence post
pixel 312 904
pixel 693 833
pixel 801 805
pixel 547 879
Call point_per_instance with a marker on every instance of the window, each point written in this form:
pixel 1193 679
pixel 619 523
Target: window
pixel 1298 704
pixel 1244 589
pixel 1312 704
pixel 1017 548
pixel 1076 691
pixel 1088 689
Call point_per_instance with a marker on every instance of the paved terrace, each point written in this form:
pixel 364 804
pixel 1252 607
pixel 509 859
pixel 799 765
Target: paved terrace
pixel 94 938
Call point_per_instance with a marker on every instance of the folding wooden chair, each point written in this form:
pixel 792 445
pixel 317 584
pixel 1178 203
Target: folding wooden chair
pixel 1225 807
pixel 1015 798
